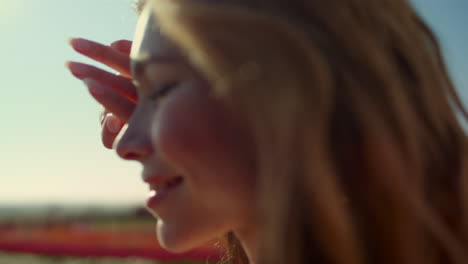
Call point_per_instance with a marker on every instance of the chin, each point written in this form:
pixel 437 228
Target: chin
pixel 173 239
pixel 179 239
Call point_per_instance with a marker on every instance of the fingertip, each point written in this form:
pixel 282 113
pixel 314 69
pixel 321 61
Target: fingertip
pixel 70 41
pixel 94 87
pixel 107 142
pixel 115 44
pixel 80 44
pixel 79 70
pixel 113 124
pixel 89 81
pixel 69 66
pixel 108 137
pixel 122 45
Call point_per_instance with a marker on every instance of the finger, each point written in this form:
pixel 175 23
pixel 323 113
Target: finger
pixel 115 103
pixel 104 54
pixel 110 129
pixel 124 46
pixel 118 83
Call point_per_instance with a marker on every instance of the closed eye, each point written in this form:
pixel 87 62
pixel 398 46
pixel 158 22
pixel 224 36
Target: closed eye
pixel 163 90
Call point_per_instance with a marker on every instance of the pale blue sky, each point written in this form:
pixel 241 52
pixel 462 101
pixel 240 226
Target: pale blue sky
pixel 50 145
pixel 50 148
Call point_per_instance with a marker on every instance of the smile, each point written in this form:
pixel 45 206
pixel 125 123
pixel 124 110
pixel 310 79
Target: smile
pixel 160 189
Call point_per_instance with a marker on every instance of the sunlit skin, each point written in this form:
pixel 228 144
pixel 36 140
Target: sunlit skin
pixel 190 133
pixel 178 131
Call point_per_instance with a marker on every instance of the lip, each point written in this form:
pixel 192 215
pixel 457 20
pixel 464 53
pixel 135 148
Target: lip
pixel 161 187
pixel 157 179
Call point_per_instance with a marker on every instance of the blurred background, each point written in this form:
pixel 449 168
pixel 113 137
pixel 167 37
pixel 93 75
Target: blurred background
pixel 58 184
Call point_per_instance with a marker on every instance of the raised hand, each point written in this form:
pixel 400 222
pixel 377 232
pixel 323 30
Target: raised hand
pixel 115 92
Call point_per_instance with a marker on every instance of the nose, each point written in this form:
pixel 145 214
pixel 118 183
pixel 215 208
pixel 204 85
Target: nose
pixel 135 143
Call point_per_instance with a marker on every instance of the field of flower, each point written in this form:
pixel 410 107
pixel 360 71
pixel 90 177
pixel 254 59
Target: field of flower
pixel 38 259
pixel 87 236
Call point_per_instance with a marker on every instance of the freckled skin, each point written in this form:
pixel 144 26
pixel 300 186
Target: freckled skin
pixel 191 133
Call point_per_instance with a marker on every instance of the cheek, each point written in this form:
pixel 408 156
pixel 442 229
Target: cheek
pixel 194 133
pixel 186 124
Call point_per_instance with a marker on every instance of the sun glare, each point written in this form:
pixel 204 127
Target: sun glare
pixel 9 8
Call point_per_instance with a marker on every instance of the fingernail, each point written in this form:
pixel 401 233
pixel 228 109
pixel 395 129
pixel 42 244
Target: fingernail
pixel 80 44
pixel 78 70
pixel 115 45
pixel 70 40
pixel 94 87
pixel 113 124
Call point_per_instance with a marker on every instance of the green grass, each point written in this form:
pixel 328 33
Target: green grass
pixel 6 258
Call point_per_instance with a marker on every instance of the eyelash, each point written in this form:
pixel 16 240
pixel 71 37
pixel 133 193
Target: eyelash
pixel 163 90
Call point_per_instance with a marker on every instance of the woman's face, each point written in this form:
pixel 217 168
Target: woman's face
pixel 195 154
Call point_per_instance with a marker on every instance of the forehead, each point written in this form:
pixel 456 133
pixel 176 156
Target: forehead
pixel 148 41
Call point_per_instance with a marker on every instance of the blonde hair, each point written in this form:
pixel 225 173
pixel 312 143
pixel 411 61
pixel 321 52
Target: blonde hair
pixel 361 157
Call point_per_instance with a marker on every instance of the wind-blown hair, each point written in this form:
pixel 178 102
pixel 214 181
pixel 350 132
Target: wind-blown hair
pixel 360 150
